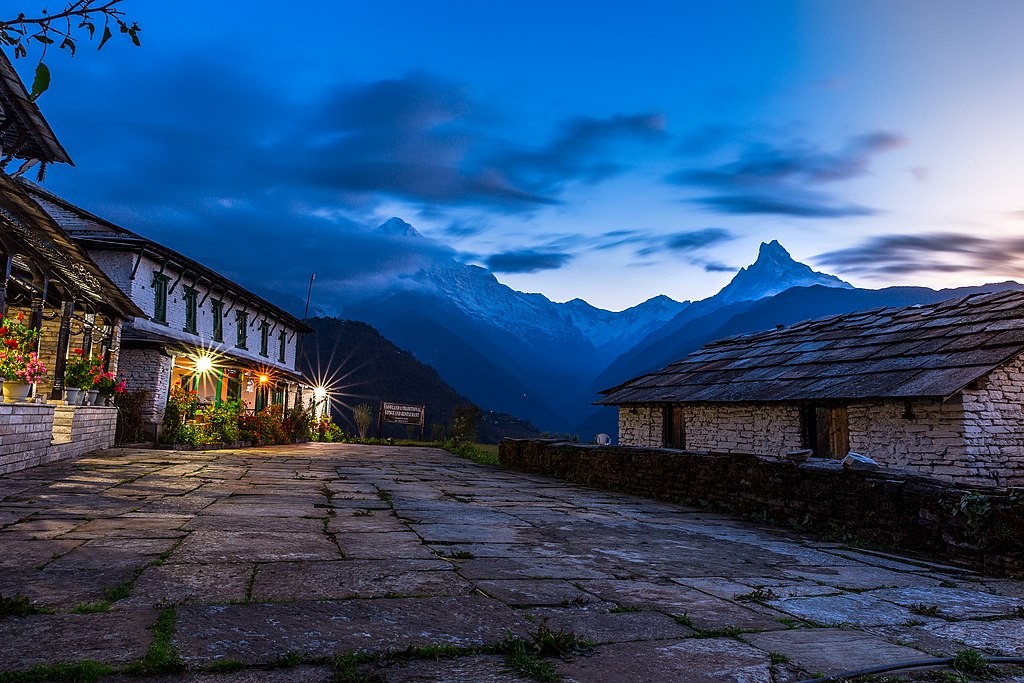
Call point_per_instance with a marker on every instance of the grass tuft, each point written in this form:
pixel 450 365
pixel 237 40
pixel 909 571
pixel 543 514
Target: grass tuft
pixel 80 672
pixel 162 657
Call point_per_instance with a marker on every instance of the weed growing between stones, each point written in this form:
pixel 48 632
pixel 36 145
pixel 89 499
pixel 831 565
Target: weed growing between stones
pixel 289 660
pixel 624 609
pixel 347 669
pixel 778 658
pixel 251 583
pixel 18 606
pixel 224 666
pixel 727 632
pixel 925 610
pixel 524 657
pixel 684 619
pixel 91 607
pixel 971 663
pixel 81 672
pixel 162 657
pixel 362 513
pixel 758 595
pixel 576 601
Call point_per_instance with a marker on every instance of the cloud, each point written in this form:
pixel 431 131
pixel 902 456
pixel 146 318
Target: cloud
pixel 936 252
pixel 770 179
pixel 527 261
pixel 686 243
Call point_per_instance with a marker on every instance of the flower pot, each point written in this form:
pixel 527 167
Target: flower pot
pixel 15 392
pixel 93 396
pixel 71 395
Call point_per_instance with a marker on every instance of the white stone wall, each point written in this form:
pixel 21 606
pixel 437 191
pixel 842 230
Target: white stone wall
pixel 929 439
pixel 759 428
pixel 148 370
pixel 994 424
pixel 118 266
pixel 641 425
pixel 32 434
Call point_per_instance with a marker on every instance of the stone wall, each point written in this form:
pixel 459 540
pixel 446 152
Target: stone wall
pixel 923 435
pixel 994 424
pixel 148 370
pixel 761 428
pixel 884 507
pixel 642 425
pixel 35 434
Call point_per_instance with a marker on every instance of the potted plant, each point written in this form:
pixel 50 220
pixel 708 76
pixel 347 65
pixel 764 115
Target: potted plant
pixel 107 386
pixel 79 376
pixel 20 367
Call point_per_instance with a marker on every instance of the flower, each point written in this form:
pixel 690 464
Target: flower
pixel 15 340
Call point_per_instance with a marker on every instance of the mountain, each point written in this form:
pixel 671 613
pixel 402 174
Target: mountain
pixel 773 272
pixel 362 366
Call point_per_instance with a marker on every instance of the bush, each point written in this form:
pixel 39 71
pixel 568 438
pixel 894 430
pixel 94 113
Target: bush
pixel 362 414
pixel 298 424
pixel 222 421
pixel 263 428
pixel 181 407
pixel 325 430
pixel 131 425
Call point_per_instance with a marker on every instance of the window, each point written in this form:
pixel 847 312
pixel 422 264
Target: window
pixel 264 338
pixel 825 430
pixel 218 320
pixel 282 345
pixel 160 298
pixel 675 429
pixel 191 296
pixel 242 329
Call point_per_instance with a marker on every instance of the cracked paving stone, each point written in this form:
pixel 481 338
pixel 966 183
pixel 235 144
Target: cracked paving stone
pixel 62 589
pixel 861 577
pixel 261 632
pixel 599 625
pixel 206 547
pixel 190 583
pixel 832 651
pixel 110 638
pixel 535 592
pixel 1004 637
pixel 703 660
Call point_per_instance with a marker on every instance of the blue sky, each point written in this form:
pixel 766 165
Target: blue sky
pixel 607 151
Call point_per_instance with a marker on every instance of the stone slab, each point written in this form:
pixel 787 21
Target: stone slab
pixel 597 624
pixel 479 669
pixel 341 579
pixel 261 633
pixel 851 609
pixel 832 651
pixel 523 592
pixel 953 603
pixel 1004 637
pixel 219 546
pixel 718 660
pixel 174 584
pixel 111 638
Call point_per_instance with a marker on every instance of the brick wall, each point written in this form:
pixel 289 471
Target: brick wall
pixel 34 434
pixel 148 370
pixel 885 507
pixel 994 424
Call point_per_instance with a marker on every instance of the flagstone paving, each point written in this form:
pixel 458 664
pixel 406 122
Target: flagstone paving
pixel 268 564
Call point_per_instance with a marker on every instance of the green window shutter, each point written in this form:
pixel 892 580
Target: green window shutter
pixel 218 320
pixel 242 325
pixel 190 309
pixel 282 345
pixel 160 298
pixel 264 338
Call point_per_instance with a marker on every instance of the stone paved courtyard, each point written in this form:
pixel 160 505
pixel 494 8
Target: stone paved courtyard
pixel 294 555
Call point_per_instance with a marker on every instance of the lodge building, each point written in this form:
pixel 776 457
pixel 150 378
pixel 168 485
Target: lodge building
pixel 936 389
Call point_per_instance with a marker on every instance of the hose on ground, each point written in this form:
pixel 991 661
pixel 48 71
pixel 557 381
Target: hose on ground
pixel 899 666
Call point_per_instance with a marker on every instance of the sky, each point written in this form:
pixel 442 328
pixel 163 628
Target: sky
pixel 604 151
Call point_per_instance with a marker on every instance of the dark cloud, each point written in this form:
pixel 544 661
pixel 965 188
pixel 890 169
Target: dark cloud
pixel 717 267
pixel 936 252
pixel 527 261
pixel 697 239
pixel 767 179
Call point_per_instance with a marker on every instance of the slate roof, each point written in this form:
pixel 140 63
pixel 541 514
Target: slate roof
pixel 93 232
pixel 931 350
pixel 24 132
pixel 27 225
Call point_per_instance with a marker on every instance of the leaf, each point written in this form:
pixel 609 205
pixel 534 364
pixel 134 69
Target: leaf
pixel 41 81
pixel 107 35
pixel 70 44
pixel 43 38
pixel 89 25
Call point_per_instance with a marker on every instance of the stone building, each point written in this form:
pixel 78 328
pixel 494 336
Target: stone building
pixel 56 288
pixel 937 389
pixel 199 330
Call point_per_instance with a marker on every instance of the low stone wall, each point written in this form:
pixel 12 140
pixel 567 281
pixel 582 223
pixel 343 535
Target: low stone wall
pixel 33 434
pixel 981 526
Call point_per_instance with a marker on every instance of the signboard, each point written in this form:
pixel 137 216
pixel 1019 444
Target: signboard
pixel 400 413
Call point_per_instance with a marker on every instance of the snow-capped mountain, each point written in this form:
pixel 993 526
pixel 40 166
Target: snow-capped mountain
pixel 773 272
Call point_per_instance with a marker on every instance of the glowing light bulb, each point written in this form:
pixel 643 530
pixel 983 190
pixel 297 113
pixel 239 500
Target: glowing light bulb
pixel 319 393
pixel 264 379
pixel 204 364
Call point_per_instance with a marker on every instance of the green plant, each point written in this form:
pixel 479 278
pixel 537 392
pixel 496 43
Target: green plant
pixel 777 658
pixel 222 421
pixel 80 672
pixel 161 657
pixel 362 415
pixel 758 595
pixel 181 407
pixel 16 606
pixel 18 360
pixel 347 669
pixel 971 662
pixel 80 371
pixel 925 610
pixel 521 660
pixel 225 666
pixel 974 506
pixel 625 609
pixel 464 423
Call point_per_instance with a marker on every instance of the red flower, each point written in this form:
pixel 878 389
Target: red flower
pixel 77 352
pixel 11 343
pixel 21 316
pixel 4 331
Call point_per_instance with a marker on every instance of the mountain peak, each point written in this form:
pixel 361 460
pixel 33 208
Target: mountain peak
pixel 774 271
pixel 396 227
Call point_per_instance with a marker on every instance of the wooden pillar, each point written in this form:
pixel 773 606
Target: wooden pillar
pixel 63 340
pixel 35 316
pixel 88 327
pixel 8 259
pixel 107 344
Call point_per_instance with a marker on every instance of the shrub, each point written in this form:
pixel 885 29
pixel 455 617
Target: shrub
pixel 265 427
pixel 362 414
pixel 181 407
pixel 222 421
pixel 325 430
pixel 298 424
